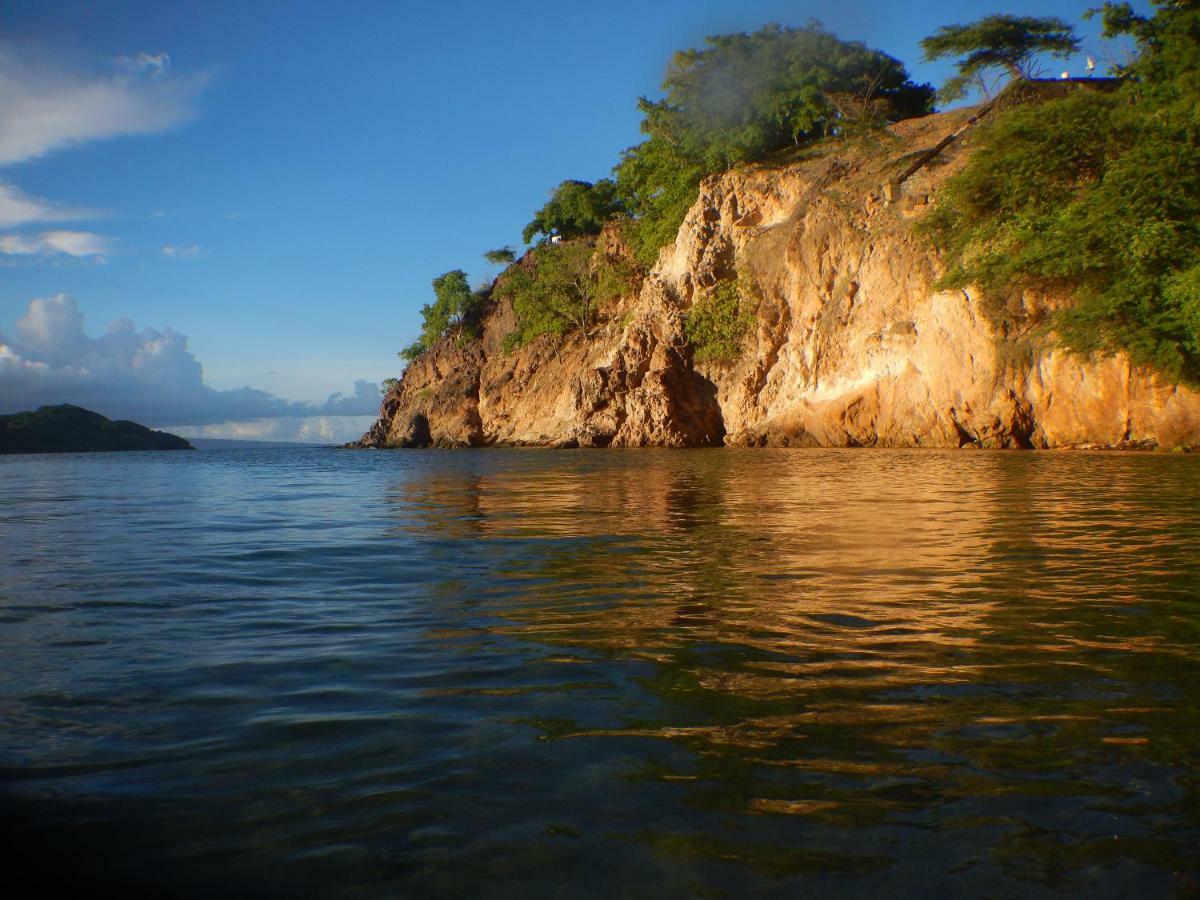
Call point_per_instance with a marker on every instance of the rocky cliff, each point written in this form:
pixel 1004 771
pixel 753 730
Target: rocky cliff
pixel 852 344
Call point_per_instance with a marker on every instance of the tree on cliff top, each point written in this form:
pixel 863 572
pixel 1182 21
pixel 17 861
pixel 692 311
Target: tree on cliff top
pixel 1007 43
pixel 747 95
pixel 576 209
pixel 1168 59
pixel 1097 196
pixel 501 256
pixel 450 313
pixel 743 97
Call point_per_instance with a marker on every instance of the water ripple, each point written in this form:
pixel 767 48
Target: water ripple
pixel 324 673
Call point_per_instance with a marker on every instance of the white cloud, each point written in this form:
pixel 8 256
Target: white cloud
pixel 148 376
pixel 17 208
pixel 181 251
pixel 79 244
pixel 45 107
pixel 313 430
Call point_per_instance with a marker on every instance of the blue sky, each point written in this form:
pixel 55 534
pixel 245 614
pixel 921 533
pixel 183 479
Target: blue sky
pixel 280 181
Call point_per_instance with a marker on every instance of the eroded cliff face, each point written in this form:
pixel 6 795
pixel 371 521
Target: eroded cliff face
pixel 852 346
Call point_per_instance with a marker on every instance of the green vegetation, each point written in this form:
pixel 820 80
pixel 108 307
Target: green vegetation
pixel 1007 43
pixel 740 99
pixel 659 184
pixel 502 256
pixel 717 322
pixel 453 312
pixel 1096 194
pixel 560 288
pixel 743 98
pixel 576 209
pixel 72 429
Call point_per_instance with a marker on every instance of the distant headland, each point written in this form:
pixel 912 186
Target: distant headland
pixel 72 429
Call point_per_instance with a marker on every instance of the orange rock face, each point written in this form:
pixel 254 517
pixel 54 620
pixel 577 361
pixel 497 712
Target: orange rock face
pixel 852 344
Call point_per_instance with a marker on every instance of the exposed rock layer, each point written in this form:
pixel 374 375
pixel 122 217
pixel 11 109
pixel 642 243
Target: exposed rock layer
pixel 853 345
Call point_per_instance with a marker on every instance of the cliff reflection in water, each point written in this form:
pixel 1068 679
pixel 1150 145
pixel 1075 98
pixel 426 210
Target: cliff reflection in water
pixel 546 673
pixel 902 642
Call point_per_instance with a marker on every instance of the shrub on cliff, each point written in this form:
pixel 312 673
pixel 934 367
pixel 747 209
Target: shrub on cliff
pixel 560 289
pixel 717 322
pixel 1098 194
pixel 744 97
pixel 660 184
pixel 453 311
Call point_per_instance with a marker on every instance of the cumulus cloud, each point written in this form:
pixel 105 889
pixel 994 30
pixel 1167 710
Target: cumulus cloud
pixel 146 375
pixel 44 106
pixel 313 430
pixel 79 244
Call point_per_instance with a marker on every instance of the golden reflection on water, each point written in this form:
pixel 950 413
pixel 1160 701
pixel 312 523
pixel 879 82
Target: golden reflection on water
pixel 711 672
pixel 831 561
pixel 905 632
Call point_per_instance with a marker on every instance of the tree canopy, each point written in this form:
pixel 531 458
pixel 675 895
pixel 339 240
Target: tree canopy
pixel 559 289
pixel 576 209
pixel 450 313
pixel 501 256
pixel 1008 43
pixel 1097 193
pixel 743 97
pixel 1166 60
pixel 747 95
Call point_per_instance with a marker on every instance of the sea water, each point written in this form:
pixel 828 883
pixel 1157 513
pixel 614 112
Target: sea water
pixel 317 672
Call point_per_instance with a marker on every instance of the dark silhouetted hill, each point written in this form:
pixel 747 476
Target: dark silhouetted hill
pixel 72 429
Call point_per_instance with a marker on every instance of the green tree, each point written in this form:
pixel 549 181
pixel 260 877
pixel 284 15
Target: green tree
pixel 501 256
pixel 744 97
pixel 659 183
pixel 576 209
pixel 560 289
pixel 1166 60
pixel 748 95
pixel 1007 43
pixel 1097 195
pixel 452 312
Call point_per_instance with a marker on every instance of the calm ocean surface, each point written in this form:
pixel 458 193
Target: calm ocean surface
pixel 643 673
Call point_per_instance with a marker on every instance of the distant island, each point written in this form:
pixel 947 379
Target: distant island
pixel 72 429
